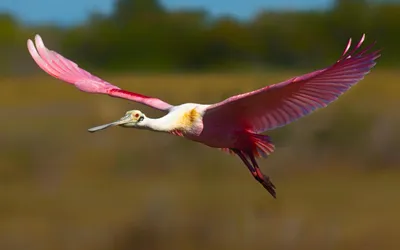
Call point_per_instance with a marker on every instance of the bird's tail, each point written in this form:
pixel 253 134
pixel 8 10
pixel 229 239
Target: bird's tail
pixel 263 145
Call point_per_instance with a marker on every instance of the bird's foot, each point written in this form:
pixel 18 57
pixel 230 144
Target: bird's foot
pixel 265 182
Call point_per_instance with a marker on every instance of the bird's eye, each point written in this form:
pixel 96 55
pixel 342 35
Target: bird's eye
pixel 136 115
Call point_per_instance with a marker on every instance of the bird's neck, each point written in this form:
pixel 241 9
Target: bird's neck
pixel 180 120
pixel 159 124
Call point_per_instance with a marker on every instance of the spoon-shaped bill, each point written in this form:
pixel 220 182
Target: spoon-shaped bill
pixel 127 118
pixel 104 126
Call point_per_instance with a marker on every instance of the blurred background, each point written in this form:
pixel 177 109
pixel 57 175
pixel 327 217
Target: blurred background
pixel 337 171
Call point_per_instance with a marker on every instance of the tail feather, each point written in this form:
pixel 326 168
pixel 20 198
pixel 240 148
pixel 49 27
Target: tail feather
pixel 261 145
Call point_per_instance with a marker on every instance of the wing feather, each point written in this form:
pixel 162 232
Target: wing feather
pixel 279 104
pixel 68 71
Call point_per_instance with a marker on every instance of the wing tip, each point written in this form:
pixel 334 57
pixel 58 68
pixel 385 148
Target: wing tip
pixel 347 54
pixel 347 48
pixel 32 50
pixel 363 37
pixel 39 42
pixel 29 44
pixel 38 37
pixel 35 45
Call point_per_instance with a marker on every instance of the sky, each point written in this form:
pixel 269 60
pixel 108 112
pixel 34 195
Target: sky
pixel 67 12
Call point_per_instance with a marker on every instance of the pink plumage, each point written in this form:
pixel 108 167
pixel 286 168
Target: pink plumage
pixel 234 124
pixel 64 69
pixel 279 104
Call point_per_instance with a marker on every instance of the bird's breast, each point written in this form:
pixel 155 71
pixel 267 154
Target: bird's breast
pixel 188 118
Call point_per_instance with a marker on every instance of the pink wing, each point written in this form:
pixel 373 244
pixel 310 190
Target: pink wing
pixel 64 69
pixel 279 104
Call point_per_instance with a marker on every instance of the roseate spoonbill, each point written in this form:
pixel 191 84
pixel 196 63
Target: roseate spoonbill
pixel 233 125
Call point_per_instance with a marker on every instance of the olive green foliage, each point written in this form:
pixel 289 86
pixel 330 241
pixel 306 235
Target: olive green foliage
pixel 141 35
pixel 336 171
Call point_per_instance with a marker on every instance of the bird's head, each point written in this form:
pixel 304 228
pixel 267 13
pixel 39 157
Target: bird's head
pixel 132 118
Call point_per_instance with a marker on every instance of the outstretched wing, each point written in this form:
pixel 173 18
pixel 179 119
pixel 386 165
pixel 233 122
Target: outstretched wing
pixel 64 69
pixel 279 104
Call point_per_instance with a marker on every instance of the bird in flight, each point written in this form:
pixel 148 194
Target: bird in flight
pixel 235 124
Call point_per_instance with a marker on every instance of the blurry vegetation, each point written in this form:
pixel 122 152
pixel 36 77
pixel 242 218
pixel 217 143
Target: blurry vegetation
pixel 337 171
pixel 141 35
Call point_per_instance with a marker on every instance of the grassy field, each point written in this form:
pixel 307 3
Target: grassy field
pixel 337 171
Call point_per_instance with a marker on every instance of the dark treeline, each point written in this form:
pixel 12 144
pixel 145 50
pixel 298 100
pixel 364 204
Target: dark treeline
pixel 143 35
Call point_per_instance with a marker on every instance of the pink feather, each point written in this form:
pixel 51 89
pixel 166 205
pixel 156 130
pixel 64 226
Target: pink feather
pixel 66 70
pixel 233 124
pixel 279 104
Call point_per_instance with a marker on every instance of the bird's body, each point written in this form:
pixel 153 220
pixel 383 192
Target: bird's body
pixel 187 120
pixel 235 124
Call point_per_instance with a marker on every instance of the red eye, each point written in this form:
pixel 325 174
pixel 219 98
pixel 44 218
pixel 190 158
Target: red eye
pixel 136 115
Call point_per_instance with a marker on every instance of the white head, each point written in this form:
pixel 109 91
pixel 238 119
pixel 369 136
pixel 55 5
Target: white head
pixel 132 118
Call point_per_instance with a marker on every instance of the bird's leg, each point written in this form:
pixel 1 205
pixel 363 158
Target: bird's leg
pixel 245 161
pixel 256 172
pixel 262 178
